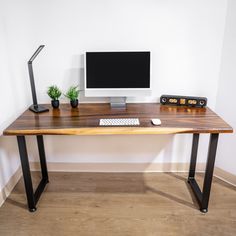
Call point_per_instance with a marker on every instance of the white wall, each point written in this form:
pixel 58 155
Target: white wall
pixel 185 38
pixel 14 88
pixel 226 92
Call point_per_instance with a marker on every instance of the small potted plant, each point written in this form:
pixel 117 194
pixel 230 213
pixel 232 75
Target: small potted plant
pixel 54 93
pixel 73 94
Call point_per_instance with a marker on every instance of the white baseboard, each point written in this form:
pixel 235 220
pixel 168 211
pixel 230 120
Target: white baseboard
pixel 5 192
pixel 113 167
pixel 225 176
pixel 116 167
pixel 133 167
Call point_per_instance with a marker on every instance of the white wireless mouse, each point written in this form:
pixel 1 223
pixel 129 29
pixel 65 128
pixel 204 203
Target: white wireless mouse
pixel 156 121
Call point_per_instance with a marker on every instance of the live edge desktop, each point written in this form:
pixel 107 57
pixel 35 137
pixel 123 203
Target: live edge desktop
pixel 117 74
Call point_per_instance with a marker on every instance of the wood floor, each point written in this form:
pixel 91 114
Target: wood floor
pixel 119 204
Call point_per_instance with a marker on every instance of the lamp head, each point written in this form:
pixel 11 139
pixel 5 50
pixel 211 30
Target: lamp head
pixel 36 54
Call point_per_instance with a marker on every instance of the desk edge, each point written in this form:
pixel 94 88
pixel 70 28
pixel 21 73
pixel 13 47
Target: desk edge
pixel 113 131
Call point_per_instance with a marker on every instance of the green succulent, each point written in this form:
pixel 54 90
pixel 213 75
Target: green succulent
pixel 54 92
pixel 73 93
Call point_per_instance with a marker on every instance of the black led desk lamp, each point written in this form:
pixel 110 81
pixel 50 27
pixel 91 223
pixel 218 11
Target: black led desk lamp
pixel 35 107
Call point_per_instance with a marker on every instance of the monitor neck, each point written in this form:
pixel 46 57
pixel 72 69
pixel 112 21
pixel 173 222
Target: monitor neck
pixel 118 102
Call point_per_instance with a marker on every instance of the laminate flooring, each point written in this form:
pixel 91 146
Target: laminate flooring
pixel 119 204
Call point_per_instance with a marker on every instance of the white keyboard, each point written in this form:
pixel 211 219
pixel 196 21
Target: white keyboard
pixel 119 122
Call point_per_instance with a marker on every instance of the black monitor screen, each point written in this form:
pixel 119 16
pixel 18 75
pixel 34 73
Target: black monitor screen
pixel 118 69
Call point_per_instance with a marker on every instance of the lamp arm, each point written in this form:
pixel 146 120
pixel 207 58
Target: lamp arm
pixel 32 84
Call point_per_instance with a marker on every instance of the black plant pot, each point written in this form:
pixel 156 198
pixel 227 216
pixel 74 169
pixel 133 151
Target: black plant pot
pixel 55 103
pixel 74 103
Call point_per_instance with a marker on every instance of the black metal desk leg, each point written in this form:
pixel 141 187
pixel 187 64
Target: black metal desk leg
pixel 42 158
pixel 209 171
pixel 26 173
pixel 204 195
pixel 193 161
pixel 32 197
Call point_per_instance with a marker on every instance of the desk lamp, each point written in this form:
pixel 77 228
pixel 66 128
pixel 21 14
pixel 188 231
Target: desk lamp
pixel 35 107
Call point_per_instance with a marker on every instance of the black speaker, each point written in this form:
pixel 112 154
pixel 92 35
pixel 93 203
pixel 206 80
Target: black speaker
pixel 183 101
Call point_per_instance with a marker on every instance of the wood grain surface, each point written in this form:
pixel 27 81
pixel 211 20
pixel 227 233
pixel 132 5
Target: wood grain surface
pixel 84 120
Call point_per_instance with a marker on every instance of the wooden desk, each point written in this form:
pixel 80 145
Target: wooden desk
pixel 85 121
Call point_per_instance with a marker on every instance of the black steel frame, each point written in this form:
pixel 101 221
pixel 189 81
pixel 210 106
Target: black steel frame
pixel 201 196
pixel 33 197
pixel 204 195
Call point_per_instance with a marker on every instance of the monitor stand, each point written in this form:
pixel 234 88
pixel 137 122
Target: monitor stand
pixel 118 102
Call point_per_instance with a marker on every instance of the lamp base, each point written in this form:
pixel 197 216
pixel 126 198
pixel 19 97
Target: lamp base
pixel 38 108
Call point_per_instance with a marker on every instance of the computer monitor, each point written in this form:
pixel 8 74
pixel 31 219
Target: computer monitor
pixel 117 74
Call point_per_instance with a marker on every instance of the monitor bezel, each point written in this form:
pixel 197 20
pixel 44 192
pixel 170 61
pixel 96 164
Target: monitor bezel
pixel 117 92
